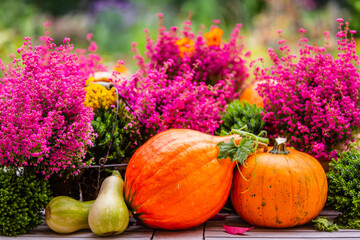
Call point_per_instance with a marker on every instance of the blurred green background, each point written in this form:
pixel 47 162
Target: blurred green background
pixel 117 23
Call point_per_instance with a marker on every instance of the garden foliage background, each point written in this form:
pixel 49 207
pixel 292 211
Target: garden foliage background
pixel 117 23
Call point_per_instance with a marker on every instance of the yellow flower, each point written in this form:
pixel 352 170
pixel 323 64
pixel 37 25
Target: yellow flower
pixel 89 80
pixel 213 38
pixel 98 96
pixel 185 45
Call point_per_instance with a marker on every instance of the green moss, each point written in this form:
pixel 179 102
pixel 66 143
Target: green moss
pixel 22 197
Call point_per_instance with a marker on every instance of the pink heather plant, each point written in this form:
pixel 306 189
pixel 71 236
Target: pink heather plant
pixel 314 101
pixel 212 59
pixel 88 61
pixel 43 120
pixel 161 102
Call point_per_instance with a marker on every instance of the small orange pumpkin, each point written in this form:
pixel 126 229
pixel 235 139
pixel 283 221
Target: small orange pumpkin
pixel 175 181
pixel 290 188
pixel 251 95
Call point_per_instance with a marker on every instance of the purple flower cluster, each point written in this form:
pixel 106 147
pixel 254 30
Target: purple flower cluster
pixel 314 101
pixel 43 120
pixel 211 60
pixel 161 102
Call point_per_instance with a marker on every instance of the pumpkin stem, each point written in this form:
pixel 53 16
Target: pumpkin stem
pixel 244 128
pixel 250 136
pixel 280 146
pixel 263 133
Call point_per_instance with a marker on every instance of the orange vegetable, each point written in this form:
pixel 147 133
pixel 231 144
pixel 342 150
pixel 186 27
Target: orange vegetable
pixel 252 96
pixel 290 188
pixel 175 181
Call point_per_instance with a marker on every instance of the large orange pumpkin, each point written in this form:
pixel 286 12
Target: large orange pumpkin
pixel 175 181
pixel 251 95
pixel 290 188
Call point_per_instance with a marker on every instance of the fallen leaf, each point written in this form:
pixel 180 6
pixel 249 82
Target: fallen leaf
pixel 236 230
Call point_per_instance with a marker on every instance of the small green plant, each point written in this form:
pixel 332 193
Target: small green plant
pixel 326 224
pixel 22 197
pixel 239 114
pixel 344 188
pixel 125 139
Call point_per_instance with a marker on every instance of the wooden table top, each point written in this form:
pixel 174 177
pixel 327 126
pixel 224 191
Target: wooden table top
pixel 211 229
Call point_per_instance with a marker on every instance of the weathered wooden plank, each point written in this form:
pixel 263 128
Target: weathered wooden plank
pixel 75 238
pixel 133 227
pixel 218 226
pixel 235 220
pixel 44 232
pixel 271 238
pixel 71 238
pixel 191 234
pixel 87 234
pixel 285 234
pixel 213 230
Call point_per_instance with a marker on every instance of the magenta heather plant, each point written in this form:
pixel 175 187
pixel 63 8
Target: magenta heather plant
pixel 89 62
pixel 161 102
pixel 211 59
pixel 314 101
pixel 43 120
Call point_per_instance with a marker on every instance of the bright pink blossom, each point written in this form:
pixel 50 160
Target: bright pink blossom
pixel 162 102
pixel 313 101
pixel 209 64
pixel 43 120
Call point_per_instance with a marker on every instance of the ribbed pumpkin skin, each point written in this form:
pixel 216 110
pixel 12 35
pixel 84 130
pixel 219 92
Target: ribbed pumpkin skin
pixel 175 181
pixel 251 96
pixel 289 190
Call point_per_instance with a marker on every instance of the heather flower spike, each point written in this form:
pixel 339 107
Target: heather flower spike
pixel 211 60
pixel 185 81
pixel 162 102
pixel 313 100
pixel 44 122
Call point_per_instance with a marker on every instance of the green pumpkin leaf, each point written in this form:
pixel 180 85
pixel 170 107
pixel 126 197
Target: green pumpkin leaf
pixel 227 150
pixel 244 149
pixel 236 152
